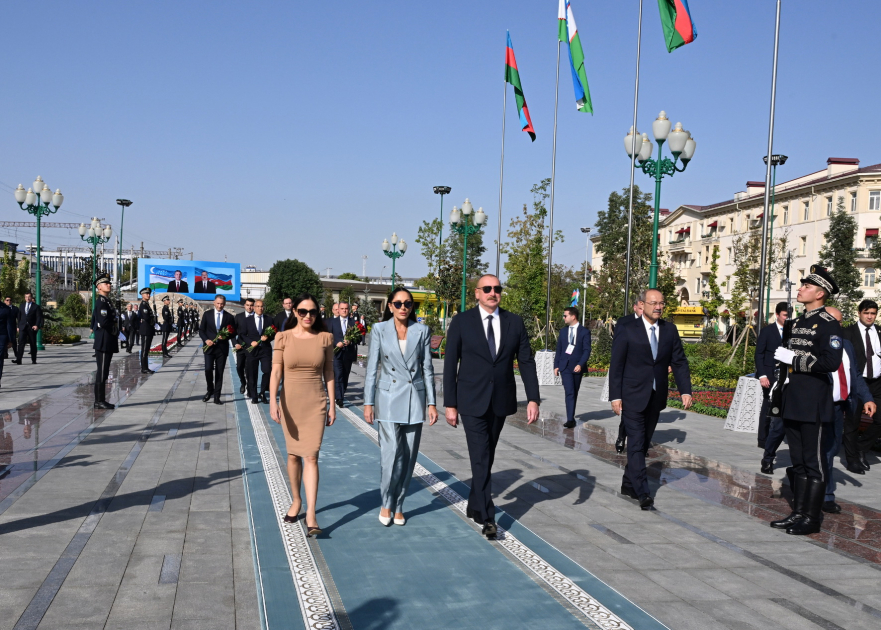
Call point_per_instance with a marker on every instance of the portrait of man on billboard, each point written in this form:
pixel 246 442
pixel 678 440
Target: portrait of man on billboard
pixel 178 285
pixel 204 285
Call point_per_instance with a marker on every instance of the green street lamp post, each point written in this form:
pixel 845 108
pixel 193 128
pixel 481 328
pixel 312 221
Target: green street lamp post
pixel 36 201
pixel 776 160
pixel 123 203
pixel 442 190
pixel 95 235
pixel 394 250
pixel 464 223
pixel 682 146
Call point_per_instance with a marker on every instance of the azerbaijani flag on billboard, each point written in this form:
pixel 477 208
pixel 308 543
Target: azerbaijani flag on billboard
pixel 512 76
pixel 222 281
pixel 679 28
pixel 568 33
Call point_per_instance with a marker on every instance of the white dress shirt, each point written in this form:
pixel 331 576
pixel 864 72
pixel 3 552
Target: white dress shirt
pixel 836 385
pixel 876 347
pixel 497 327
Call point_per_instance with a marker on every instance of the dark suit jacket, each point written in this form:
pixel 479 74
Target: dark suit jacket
pixel 7 326
pixel 173 289
pixel 580 354
pixel 212 288
pixel 473 382
pixel 334 327
pixel 240 327
pixel 854 334
pixel 766 345
pixel 208 331
pixel 281 320
pixel 627 319
pixel 859 391
pixel 251 333
pixel 33 318
pixel 633 370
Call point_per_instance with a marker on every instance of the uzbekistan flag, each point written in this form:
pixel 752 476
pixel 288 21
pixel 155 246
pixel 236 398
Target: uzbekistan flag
pixel 678 26
pixel 512 76
pixel 568 33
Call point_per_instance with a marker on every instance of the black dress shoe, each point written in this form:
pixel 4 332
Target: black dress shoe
pixel 207 396
pixel 104 405
pixel 16 361
pixel 863 461
pixel 619 446
pixel 265 398
pixel 255 400
pixel 217 401
pixel 242 389
pixel 148 371
pixel 767 467
pixel 629 492
pixel 646 502
pixel 34 361
pixel 490 530
pixel 857 470
pixel 339 403
pixel 831 507
pixel 570 424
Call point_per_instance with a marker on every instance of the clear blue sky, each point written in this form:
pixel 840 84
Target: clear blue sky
pixel 313 130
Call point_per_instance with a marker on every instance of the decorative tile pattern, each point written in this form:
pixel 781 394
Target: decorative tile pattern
pixel 315 604
pixel 565 587
pixel 743 415
pixel 544 368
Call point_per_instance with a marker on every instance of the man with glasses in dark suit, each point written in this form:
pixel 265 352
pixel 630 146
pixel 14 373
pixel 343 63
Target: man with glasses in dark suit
pixel 30 321
pixel 347 353
pixel 482 345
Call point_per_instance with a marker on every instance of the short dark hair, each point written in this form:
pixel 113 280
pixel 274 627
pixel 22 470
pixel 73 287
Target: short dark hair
pixel 781 306
pixel 31 293
pixel 179 271
pixel 249 300
pixel 387 315
pixel 573 310
pixel 222 297
pixel 865 305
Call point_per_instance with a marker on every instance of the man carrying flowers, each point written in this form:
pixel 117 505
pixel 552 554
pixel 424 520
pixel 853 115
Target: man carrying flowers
pixel 215 330
pixel 257 336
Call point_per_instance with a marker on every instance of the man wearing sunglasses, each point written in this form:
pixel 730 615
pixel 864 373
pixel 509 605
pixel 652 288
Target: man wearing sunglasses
pixel 348 352
pixel 482 345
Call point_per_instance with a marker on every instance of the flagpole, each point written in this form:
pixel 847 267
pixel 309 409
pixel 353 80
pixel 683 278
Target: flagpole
pixel 551 228
pixel 632 163
pixel 767 217
pixel 501 176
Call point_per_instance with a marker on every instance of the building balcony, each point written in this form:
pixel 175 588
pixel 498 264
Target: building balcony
pixel 707 239
pixel 862 253
pixel 678 246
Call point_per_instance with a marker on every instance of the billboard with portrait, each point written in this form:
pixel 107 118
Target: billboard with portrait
pixel 196 279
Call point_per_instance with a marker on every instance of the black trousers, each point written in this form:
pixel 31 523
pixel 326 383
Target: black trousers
pixel 3 342
pixel 165 334
pixel 342 367
pixel 640 427
pixel 482 434
pixel 241 360
pixel 102 359
pixel 146 342
pixel 27 335
pixel 571 385
pixel 854 443
pixel 129 339
pixel 764 420
pixel 264 362
pixel 214 366
pixel 805 441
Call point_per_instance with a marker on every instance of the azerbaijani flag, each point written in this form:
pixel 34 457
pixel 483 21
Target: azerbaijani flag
pixel 568 33
pixel 575 295
pixel 678 26
pixel 512 76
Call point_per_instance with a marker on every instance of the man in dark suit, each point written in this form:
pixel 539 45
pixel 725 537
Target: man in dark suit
pixel 215 357
pixel 642 353
pixel 770 432
pixel 146 328
pixel 482 345
pixel 177 285
pixel 570 360
pixel 5 350
pixel 136 327
pixel 240 342
pixel 261 354
pixel 106 326
pixel 281 319
pixel 7 332
pixel 865 335
pixel 204 285
pixel 30 320
pixel 347 353
pixel 621 442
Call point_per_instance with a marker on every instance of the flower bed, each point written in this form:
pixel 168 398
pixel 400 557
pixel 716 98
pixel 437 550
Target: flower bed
pixel 712 402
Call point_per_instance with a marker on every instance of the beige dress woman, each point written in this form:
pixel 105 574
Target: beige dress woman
pixel 307 363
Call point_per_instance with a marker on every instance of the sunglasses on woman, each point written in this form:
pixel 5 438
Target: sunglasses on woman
pixel 312 312
pixel 489 289
pixel 404 304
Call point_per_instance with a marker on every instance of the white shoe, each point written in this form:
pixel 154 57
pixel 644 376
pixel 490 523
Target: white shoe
pixel 385 520
pixel 400 521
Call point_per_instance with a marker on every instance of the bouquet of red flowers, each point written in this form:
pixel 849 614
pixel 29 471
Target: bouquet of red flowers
pixel 268 332
pixel 353 334
pixel 222 335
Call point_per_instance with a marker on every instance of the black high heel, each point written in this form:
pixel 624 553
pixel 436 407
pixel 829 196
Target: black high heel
pixel 313 531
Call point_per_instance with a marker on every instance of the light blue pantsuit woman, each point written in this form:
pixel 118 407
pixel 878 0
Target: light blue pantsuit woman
pixel 400 385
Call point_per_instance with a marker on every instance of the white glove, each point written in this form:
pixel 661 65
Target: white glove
pixel 784 356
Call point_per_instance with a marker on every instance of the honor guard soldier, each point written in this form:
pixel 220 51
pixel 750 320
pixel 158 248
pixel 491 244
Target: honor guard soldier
pixel 106 339
pixel 167 323
pixel 146 327
pixel 181 323
pixel 813 351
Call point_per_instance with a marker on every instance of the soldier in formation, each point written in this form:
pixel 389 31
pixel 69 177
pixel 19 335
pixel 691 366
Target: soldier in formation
pixel 106 327
pixel 146 327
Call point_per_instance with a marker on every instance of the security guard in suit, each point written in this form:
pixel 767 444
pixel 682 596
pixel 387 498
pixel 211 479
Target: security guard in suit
pixel 106 322
pixel 146 327
pixel 807 408
pixel 167 324
pixel 181 324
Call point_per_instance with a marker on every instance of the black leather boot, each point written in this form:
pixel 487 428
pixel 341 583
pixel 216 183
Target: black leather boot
pixel 814 493
pixel 798 505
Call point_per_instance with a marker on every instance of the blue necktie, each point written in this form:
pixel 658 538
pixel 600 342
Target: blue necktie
pixel 219 316
pixel 571 336
pixel 654 342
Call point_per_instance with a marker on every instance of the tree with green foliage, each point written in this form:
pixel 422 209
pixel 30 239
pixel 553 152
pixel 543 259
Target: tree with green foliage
pixel 82 276
pixel 349 276
pixel 290 278
pixel 347 294
pixel 838 255
pixel 74 309
pixel 327 302
pixel 715 300
pixel 667 287
pixel 9 274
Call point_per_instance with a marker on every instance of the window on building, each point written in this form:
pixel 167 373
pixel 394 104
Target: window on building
pixel 807 216
pixel 731 226
pixel 870 241
pixel 853 202
pixel 869 277
pixel 785 215
pixel 828 206
pixel 782 282
pixel 697 286
pixel 728 257
pixel 875 200
pixel 803 246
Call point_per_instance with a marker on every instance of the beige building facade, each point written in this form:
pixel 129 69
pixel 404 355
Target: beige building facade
pixel 802 209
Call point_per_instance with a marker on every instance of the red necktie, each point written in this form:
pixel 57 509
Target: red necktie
pixel 842 381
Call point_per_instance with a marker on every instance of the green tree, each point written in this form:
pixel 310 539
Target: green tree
pixel 8 274
pixel 74 309
pixel 327 301
pixel 838 255
pixel 715 300
pixel 349 276
pixel 23 280
pixel 347 294
pixel 290 278
pixel 667 286
pixel 82 276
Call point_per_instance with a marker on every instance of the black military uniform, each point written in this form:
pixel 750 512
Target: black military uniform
pixel 146 327
pixel 167 325
pixel 106 327
pixel 181 324
pixel 807 407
